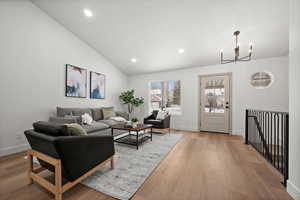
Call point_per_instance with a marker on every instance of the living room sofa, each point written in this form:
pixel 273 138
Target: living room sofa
pixel 99 126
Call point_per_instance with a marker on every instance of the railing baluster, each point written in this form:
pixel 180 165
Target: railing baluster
pixel 277 143
pixel 282 146
pixel 267 127
pixel 286 150
pixel 267 132
pixel 271 134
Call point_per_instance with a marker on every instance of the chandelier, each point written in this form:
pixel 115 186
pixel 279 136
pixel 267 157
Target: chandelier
pixel 236 52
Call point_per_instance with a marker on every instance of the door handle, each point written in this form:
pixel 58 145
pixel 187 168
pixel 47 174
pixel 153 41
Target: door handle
pixel 227 107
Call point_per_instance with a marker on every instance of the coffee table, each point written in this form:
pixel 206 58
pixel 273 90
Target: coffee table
pixel 136 139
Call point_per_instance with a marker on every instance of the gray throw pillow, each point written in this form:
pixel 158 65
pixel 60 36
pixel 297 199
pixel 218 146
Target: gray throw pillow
pixel 108 112
pixel 75 129
pixel 97 114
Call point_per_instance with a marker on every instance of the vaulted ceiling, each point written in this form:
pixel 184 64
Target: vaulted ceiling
pixel 152 31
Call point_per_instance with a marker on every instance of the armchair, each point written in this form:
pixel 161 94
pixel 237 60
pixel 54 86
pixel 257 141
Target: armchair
pixel 158 123
pixel 70 157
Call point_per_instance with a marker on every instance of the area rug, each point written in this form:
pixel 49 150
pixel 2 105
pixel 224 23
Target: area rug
pixel 132 166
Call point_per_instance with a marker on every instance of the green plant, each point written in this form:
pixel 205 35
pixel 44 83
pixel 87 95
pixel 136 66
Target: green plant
pixel 130 100
pixel 134 120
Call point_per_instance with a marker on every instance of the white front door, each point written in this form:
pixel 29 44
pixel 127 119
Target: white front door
pixel 215 103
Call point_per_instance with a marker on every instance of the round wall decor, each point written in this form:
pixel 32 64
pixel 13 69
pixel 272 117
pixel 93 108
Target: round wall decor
pixel 261 80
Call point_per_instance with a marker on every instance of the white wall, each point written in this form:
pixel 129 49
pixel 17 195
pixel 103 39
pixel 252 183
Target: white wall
pixel 33 52
pixel 244 96
pixel 293 186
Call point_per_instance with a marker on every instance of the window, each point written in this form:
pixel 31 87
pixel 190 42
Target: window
pixel 165 95
pixel 261 80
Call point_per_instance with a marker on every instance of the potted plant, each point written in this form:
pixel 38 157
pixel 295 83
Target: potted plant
pixel 134 122
pixel 130 100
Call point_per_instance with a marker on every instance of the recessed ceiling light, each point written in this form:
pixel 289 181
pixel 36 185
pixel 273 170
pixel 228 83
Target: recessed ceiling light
pixel 88 12
pixel 133 60
pixel 181 51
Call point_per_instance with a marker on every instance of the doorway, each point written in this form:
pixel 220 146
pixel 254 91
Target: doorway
pixel 215 103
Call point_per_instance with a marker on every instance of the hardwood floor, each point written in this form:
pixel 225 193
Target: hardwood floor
pixel 201 166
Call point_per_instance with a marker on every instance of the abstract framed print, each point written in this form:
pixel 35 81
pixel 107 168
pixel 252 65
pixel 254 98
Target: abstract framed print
pixel 76 81
pixel 97 85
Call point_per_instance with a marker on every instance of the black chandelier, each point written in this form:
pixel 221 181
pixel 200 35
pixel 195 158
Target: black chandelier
pixel 237 52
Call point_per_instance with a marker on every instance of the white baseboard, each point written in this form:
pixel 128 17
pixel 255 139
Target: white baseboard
pixel 13 149
pixel 293 190
pixel 237 132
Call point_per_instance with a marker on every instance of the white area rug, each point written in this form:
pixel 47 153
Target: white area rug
pixel 132 166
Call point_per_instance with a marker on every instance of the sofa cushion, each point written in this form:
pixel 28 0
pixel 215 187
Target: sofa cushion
pixel 82 111
pixel 68 119
pixel 111 122
pixel 95 126
pixel 51 128
pixel 108 112
pixel 107 132
pixel 97 114
pixel 75 129
pixel 61 112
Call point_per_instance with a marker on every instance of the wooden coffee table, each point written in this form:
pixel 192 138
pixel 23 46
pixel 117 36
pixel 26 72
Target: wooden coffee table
pixel 136 139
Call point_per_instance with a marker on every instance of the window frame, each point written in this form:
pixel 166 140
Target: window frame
pixel 170 110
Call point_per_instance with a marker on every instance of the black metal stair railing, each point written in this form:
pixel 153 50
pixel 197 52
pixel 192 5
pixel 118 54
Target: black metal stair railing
pixel 268 133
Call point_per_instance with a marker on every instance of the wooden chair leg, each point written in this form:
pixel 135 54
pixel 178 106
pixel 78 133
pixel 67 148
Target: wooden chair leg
pixel 112 163
pixel 58 181
pixel 30 168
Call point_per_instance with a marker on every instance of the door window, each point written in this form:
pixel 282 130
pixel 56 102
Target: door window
pixel 214 92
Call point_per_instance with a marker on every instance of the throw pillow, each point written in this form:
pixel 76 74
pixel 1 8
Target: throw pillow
pixel 75 129
pixel 118 119
pixel 97 114
pixel 86 119
pixel 108 112
pixel 161 115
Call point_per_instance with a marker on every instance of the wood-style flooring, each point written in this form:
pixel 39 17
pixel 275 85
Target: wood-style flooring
pixel 202 166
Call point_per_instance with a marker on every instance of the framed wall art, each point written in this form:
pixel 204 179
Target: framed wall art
pixel 97 85
pixel 76 81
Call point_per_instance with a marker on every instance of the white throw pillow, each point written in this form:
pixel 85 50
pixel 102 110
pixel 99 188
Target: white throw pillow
pixel 161 115
pixel 119 119
pixel 86 119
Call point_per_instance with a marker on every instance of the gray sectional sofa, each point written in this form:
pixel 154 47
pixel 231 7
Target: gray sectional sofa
pixel 99 126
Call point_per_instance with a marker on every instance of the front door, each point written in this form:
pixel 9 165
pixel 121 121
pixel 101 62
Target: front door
pixel 215 103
